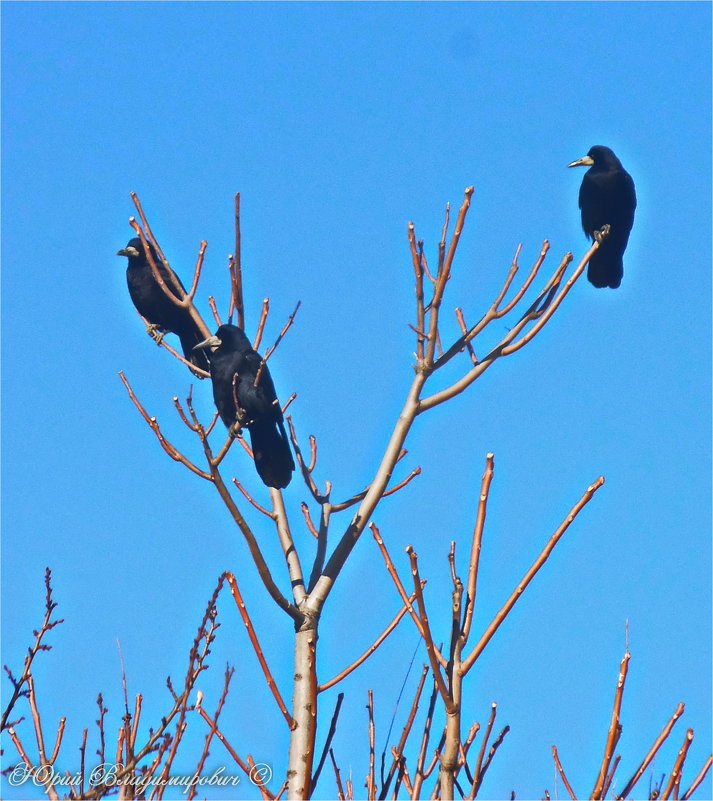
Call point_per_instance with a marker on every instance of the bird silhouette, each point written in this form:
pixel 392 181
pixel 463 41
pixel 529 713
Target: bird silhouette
pixel 153 304
pixel 606 197
pixel 245 396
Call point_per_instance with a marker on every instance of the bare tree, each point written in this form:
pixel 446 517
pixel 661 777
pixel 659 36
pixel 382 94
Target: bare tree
pixel 146 767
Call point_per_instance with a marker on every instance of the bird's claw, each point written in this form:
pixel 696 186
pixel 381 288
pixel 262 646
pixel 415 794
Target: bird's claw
pixel 155 332
pixel 602 233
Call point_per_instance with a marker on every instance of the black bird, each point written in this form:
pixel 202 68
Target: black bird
pixel 234 367
pixel 152 302
pixel 606 197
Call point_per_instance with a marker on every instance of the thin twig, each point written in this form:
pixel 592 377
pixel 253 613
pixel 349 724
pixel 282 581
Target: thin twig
pixel 614 727
pixel 527 578
pixel 476 545
pixel 400 587
pixel 370 650
pixel 646 761
pixel 699 778
pixel 235 590
pixel 428 639
pixel 271 349
pixel 562 774
pixel 261 324
pixel 674 779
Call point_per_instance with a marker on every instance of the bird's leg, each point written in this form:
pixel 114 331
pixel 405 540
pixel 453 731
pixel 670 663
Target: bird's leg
pixel 240 423
pixel 155 332
pixel 600 235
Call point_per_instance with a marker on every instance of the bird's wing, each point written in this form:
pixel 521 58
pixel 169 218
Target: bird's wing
pixel 606 197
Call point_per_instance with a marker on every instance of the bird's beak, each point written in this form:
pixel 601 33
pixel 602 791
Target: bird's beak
pixel 130 252
pixel 585 161
pixel 211 342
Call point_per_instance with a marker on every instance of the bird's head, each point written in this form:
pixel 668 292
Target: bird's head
pixel 133 250
pixel 600 157
pixel 228 338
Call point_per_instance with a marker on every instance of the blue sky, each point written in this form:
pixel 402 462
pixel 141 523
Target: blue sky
pixel 338 123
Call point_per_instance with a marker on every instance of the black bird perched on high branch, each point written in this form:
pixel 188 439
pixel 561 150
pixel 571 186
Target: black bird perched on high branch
pixel 245 397
pixel 606 197
pixel 154 305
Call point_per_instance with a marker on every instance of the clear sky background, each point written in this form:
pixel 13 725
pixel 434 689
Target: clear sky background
pixel 338 123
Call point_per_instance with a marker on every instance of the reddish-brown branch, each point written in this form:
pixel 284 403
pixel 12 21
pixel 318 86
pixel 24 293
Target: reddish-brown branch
pixel 197 271
pixel 371 778
pixel 652 752
pixel 222 453
pixel 614 727
pixel 541 310
pixel 403 774
pixel 244 766
pixel 424 261
pixel 610 775
pixel 527 578
pixel 234 589
pixel 699 778
pixel 401 590
pixel 137 715
pixel 337 776
pixel 36 719
pixel 464 331
pixel 304 468
pixel 147 227
pixel 170 449
pixel 214 309
pixel 58 741
pixel 406 729
pixel 476 545
pixel 339 507
pixel 182 414
pixel 370 650
pixel 43 775
pixel 271 349
pixel 48 624
pixel 428 639
pixel 491 753
pixel 436 757
pixel 162 343
pixel 418 270
pixel 674 779
pixel 286 405
pixel 175 293
pixel 481 753
pixel 530 278
pixel 252 500
pixel 237 287
pixel 562 774
pixel 261 325
pixel 419 775
pixel 445 262
pixel 209 737
pixel 308 519
pixel 493 313
pixel 474 729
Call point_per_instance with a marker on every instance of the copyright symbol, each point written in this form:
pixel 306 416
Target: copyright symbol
pixel 260 773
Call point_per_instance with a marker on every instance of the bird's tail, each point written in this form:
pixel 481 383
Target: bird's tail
pixel 198 358
pixel 605 269
pixel 271 451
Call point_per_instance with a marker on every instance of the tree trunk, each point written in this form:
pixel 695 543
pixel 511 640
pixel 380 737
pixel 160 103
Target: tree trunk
pixel 304 713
